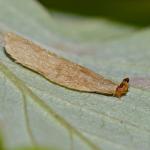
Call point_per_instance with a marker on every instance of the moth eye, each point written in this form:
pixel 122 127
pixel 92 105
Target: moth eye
pixel 126 80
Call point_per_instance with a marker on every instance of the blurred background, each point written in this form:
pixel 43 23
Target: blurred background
pixel 134 12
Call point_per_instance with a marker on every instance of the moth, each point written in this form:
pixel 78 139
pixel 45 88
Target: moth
pixel 59 70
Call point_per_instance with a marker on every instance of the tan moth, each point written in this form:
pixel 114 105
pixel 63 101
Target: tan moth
pixel 59 70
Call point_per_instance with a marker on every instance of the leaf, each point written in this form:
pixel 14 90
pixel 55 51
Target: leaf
pixel 35 112
pixel 1 142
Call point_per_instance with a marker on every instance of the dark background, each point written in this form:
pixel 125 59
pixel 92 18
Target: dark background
pixel 135 12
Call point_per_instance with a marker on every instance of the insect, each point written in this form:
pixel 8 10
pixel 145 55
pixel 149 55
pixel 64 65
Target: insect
pixel 59 70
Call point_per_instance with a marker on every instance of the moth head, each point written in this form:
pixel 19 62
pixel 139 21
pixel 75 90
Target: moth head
pixel 122 89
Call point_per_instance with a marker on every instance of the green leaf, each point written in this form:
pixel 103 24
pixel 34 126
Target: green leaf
pixel 1 143
pixel 34 112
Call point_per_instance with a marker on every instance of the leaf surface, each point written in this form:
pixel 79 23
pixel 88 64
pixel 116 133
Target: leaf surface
pixel 35 112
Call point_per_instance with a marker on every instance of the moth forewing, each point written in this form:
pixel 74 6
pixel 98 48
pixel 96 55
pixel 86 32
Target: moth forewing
pixel 59 70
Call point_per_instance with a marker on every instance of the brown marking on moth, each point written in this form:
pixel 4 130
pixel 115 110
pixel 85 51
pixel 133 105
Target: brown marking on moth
pixel 122 88
pixel 59 70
